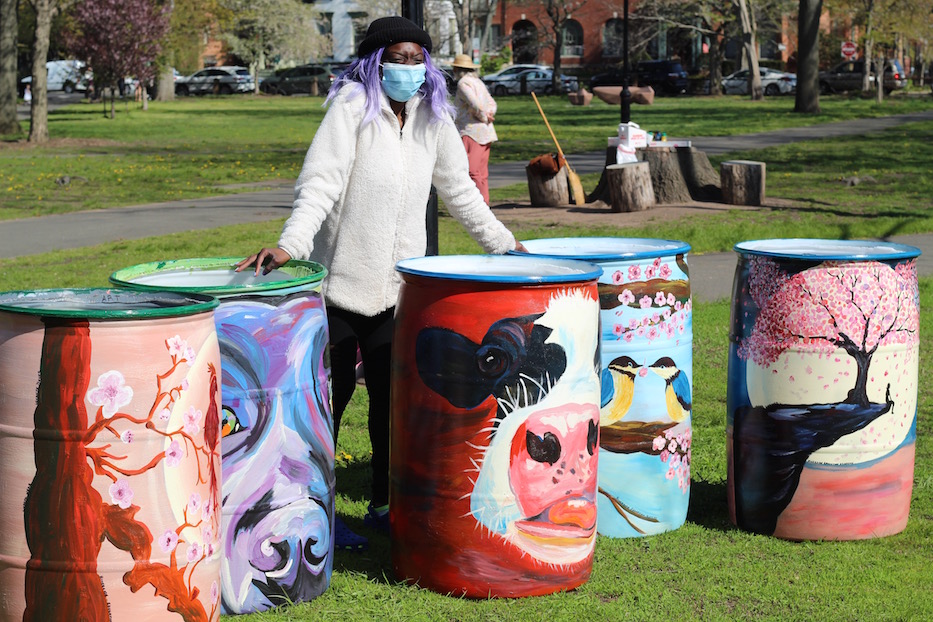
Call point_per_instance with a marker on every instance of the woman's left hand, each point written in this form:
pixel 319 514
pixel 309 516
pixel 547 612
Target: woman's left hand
pixel 520 247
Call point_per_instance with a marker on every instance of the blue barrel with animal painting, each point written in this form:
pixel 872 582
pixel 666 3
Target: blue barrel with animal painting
pixel 277 444
pixel 646 340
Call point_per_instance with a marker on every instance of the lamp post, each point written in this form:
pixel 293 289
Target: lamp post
pixel 414 10
pixel 626 98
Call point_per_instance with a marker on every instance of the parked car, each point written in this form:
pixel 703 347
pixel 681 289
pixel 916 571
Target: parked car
pixel 666 77
pixel 536 81
pixel 63 75
pixel 773 82
pixel 222 80
pixel 507 73
pixel 300 79
pixel 847 76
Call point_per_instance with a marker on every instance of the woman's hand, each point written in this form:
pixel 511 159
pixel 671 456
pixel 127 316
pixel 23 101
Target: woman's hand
pixel 267 259
pixel 520 247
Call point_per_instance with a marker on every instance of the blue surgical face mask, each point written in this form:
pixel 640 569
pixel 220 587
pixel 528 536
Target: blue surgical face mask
pixel 401 82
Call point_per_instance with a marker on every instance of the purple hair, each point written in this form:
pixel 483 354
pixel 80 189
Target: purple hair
pixel 363 75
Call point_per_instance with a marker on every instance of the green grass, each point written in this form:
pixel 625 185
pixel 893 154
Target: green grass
pixel 197 147
pixel 705 570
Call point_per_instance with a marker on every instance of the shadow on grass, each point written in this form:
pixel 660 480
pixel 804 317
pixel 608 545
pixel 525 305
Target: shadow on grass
pixel 709 507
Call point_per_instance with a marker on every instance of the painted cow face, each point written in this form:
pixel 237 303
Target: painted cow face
pixel 536 478
pixel 277 445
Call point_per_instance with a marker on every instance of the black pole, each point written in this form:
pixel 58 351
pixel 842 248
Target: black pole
pixel 626 99
pixel 414 10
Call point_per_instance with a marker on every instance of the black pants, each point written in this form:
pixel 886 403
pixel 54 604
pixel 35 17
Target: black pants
pixel 373 336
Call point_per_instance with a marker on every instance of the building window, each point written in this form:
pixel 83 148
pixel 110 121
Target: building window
pixel 613 37
pixel 573 39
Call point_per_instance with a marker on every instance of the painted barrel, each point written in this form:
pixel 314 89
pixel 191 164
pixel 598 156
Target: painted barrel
pixel 277 442
pixel 822 392
pixel 109 456
pixel 647 378
pixel 494 414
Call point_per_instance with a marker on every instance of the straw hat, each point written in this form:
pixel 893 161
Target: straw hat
pixel 462 61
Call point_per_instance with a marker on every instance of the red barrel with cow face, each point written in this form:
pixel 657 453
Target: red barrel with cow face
pixel 495 424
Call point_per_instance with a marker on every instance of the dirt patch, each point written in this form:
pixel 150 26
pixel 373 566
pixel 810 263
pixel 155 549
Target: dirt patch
pixel 60 143
pixel 599 213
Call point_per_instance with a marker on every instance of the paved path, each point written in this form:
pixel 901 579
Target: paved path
pixel 711 274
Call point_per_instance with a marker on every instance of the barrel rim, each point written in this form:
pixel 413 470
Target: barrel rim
pixel 676 247
pixel 586 271
pixel 190 304
pixel 123 276
pixel 835 249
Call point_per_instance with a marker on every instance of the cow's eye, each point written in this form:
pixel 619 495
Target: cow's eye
pixel 492 360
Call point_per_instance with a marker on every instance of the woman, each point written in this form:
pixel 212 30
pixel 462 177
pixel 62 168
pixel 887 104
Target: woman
pixel 476 110
pixel 360 207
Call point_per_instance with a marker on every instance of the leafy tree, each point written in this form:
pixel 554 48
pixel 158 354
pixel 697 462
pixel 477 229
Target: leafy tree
pixel 807 98
pixel 750 43
pixel 262 29
pixel 119 38
pixel 8 91
pixel 191 22
pixel 45 11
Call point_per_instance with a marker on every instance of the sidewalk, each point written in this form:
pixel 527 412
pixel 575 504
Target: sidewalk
pixel 711 274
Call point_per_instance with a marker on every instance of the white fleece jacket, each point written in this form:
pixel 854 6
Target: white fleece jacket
pixel 361 198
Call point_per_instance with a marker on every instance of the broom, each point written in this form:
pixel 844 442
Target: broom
pixel 576 187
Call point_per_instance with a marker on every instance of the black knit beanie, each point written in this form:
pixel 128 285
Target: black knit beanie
pixel 387 31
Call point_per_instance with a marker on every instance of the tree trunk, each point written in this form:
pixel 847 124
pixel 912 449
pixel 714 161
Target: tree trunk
pixel 879 78
pixel 869 44
pixel 743 182
pixel 548 191
pixel 630 188
pixel 9 93
pixel 715 63
pixel 859 393
pixel 807 99
pixel 39 112
pixel 62 512
pixel 558 44
pixel 166 90
pixel 750 43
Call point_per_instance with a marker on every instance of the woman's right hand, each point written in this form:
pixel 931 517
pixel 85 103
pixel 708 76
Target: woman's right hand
pixel 267 260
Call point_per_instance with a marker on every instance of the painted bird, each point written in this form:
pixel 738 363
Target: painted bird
pixel 622 371
pixel 677 392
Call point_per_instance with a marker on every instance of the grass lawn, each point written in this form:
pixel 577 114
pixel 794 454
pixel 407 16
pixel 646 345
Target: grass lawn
pixel 707 569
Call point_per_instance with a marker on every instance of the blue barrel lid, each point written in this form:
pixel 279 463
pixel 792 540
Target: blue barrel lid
pixel 515 269
pixel 105 303
pixel 604 249
pixel 826 250
pixel 216 276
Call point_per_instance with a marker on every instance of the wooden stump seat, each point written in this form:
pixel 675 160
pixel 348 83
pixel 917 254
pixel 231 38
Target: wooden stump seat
pixel 743 182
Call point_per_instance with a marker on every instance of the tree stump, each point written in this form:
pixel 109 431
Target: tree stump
pixel 630 188
pixel 670 186
pixel 702 179
pixel 548 190
pixel 743 182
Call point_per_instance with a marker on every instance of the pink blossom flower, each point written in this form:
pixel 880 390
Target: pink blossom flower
pixel 643 371
pixel 671 299
pixel 677 306
pixel 657 262
pixel 651 272
pixel 665 271
pixel 190 355
pixel 165 414
pixel 192 420
pixel 618 278
pixel 645 302
pixel 617 329
pixel 207 533
pixel 626 297
pixel 634 272
pixel 184 384
pixel 127 436
pixel 672 445
pixel 214 592
pixel 658 443
pixel 194 551
pixel 173 454
pixel 653 333
pixel 628 337
pixel 121 494
pixel 670 473
pixel 664 455
pixel 176 345
pixel 194 502
pixel 168 541
pixel 111 392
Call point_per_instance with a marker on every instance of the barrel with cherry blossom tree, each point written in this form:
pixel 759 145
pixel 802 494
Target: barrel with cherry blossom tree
pixel 822 394
pixel 646 342
pixel 109 429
